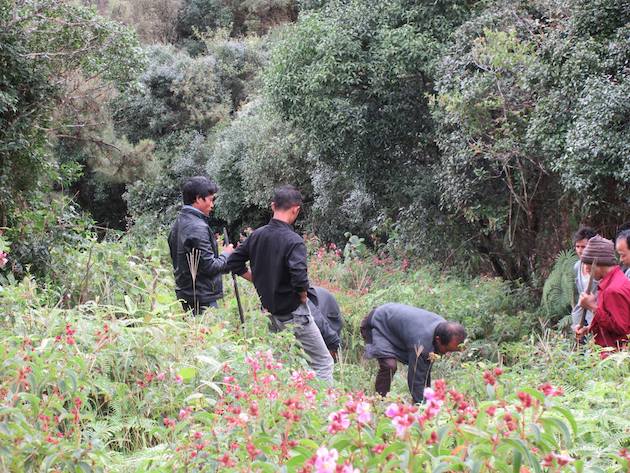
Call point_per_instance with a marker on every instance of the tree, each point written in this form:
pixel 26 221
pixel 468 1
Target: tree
pixel 42 44
pixel 354 75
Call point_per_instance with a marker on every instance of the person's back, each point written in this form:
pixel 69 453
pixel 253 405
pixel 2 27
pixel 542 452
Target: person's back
pixel 277 258
pixel 407 328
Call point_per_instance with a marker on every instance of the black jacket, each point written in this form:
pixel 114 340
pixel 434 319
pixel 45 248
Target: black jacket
pixel 277 256
pixel 191 230
pixel 327 316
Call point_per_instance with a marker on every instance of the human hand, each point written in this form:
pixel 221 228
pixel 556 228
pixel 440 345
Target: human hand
pixel 588 301
pixel 228 249
pixel 581 331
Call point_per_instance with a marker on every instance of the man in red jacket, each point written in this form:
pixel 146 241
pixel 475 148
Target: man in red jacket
pixel 611 323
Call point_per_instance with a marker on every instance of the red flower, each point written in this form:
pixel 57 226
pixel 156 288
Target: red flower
pixel 378 448
pixel 169 422
pixel 252 451
pixel 489 378
pixel 548 390
pixel 227 461
pixel 525 398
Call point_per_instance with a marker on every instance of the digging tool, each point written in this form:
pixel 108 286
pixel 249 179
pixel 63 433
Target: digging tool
pixel 589 290
pixel 226 241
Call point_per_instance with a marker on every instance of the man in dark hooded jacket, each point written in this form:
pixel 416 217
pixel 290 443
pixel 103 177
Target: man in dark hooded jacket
pixel 197 264
pixel 398 332
pixel 327 316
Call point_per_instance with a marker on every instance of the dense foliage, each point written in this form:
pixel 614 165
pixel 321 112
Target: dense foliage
pixel 501 124
pixel 103 372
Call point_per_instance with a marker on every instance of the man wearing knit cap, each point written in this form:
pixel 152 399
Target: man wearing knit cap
pixel 611 323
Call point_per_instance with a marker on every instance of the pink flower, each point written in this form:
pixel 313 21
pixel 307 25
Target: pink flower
pixel 339 421
pixel 169 422
pixel 3 259
pixel 563 459
pixel 160 376
pixel 525 398
pixel 378 448
pixel 363 413
pixel 326 460
pixel 178 379
pixel 429 394
pixel 392 410
pixel 347 468
pixel 184 413
pixel 548 390
pixel 489 378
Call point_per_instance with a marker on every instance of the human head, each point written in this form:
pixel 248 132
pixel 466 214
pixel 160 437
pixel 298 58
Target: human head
pixel 286 203
pixel 602 249
pixel 581 237
pixel 448 337
pixel 200 191
pixel 622 244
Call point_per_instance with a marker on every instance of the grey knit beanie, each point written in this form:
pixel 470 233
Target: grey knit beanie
pixel 600 248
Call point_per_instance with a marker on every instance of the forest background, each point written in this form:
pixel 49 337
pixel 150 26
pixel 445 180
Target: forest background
pixel 500 125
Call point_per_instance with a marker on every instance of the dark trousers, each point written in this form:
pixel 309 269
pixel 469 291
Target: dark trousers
pixel 386 370
pixel 200 308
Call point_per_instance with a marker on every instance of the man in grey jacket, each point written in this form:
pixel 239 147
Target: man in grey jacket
pixel 397 332
pixel 197 264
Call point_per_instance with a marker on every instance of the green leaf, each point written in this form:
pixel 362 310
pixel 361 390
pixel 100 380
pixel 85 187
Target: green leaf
pixel 568 416
pixel 188 373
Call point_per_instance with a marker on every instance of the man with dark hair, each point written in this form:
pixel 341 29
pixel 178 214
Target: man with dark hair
pixel 277 256
pixel 582 272
pixel 611 322
pixel 197 264
pixel 622 244
pixel 397 332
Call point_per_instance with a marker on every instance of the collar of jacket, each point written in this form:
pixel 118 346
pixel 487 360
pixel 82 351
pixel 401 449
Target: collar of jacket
pixel 280 223
pixel 189 209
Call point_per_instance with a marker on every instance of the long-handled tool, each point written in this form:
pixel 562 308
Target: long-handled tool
pixel 589 290
pixel 226 240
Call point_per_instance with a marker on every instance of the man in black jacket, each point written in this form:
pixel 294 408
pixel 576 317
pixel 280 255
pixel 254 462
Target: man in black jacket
pixel 277 256
pixel 197 264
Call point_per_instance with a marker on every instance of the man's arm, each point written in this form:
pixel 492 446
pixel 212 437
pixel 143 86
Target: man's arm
pixel 209 264
pixel 237 262
pixel 417 375
pixel 296 263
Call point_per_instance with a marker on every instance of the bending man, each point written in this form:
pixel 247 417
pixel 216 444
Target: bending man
pixel 398 332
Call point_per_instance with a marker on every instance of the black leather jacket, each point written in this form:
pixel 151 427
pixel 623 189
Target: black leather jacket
pixel 191 230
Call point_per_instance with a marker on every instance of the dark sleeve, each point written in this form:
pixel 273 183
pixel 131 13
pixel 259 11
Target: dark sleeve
pixel 417 375
pixel 296 263
pixel 209 263
pixel 236 263
pixel 172 246
pixel 331 338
